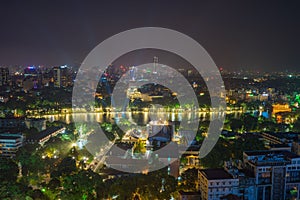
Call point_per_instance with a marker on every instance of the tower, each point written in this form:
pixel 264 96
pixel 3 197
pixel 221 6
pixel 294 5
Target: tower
pixel 155 62
pixel 57 77
pixel 4 76
pixel 132 73
pixel 61 76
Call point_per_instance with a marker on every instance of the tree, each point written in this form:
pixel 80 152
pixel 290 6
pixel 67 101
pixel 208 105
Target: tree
pixel 8 170
pixel 250 122
pixel 38 194
pixel 224 150
pixel 139 147
pixel 30 159
pixel 296 126
pixel 31 131
pixel 218 155
pixel 236 125
pixel 81 185
pixel 147 186
pixel 189 179
pixel 54 184
pixel 13 190
pixel 67 166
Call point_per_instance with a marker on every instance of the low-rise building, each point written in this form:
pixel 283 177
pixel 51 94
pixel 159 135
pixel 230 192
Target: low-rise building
pixel 296 147
pixel 272 138
pixel 10 123
pixel 281 108
pixel 217 183
pixel 10 143
pixel 45 135
pixel 38 123
pixel 189 195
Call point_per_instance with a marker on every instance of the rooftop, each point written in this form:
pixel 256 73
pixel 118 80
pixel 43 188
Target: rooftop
pixel 279 145
pixel 271 157
pixel 181 192
pixel 9 137
pixel 286 154
pixel 44 133
pixel 216 174
pixel 280 135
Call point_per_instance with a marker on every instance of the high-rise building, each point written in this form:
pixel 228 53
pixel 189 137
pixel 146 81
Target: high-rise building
pixel 32 78
pixel 31 71
pixel 62 77
pixel 4 76
pixel 155 63
pixel 57 77
pixel 277 174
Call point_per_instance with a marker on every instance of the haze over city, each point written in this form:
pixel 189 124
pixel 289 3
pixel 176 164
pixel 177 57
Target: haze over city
pixel 255 35
pixel 149 100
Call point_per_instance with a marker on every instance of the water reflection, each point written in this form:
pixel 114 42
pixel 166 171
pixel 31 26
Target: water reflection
pixel 140 118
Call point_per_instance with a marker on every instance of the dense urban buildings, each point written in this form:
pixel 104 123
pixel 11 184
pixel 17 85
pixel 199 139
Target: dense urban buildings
pixel 256 157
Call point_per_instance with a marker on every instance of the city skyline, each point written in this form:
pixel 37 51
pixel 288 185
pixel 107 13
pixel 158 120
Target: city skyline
pixel 149 100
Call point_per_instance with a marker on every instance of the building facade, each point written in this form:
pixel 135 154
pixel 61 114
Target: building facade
pixel 217 183
pixel 4 76
pixel 277 174
pixel 10 143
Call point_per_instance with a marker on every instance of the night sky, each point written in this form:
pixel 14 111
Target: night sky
pixel 251 35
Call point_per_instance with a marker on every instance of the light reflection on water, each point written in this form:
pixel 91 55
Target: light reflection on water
pixel 141 118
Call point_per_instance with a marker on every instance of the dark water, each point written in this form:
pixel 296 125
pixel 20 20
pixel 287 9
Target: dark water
pixel 140 118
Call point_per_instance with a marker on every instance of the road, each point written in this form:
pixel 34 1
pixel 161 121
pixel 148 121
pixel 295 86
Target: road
pixel 100 158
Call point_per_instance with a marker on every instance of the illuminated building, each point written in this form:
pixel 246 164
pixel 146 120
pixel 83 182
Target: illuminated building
pixel 217 183
pixel 30 71
pixel 32 78
pixel 61 77
pixel 57 77
pixel 251 96
pixel 281 108
pixel 264 96
pixel 286 117
pixel 4 76
pixel 277 174
pixel 160 131
pixel 45 135
pixel 10 143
